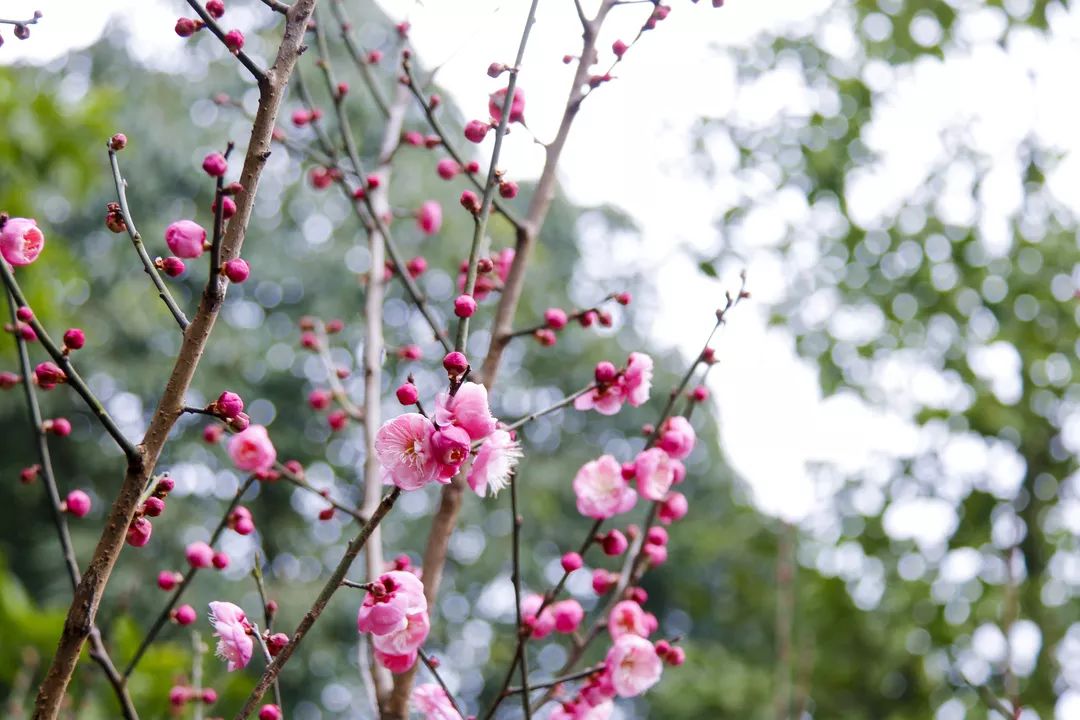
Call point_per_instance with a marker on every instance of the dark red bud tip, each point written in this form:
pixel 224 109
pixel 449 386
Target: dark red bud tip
pixel 118 142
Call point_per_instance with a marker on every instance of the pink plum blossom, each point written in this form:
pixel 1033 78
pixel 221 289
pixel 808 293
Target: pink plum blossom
pixel 450 446
pixel 468 409
pixel 674 507
pixel 397 651
pixel 231 628
pixel 21 241
pixel 601 490
pixel 403 447
pixel 185 238
pixel 542 625
pixel 429 217
pixel 655 473
pixel 251 450
pixel 637 380
pixel 606 400
pixel 627 617
pixel 567 615
pixel 517 105
pixel 384 610
pixel 433 703
pixel 633 665
pixel 677 437
pixel 494 462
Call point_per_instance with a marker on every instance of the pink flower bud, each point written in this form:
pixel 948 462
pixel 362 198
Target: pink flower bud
pixel 199 555
pixel 508 189
pixel 464 306
pixel 605 372
pixel 545 337
pixel 74 339
pixel 138 533
pixel 319 399
pixel 168 580
pixel 429 217
pixel 215 8
pixel 276 643
pixel 237 270
pixel 272 712
pixel 49 375
pixel 571 561
pixel 470 201
pixel 435 100
pixel 447 168
pixel 9 380
pixel 118 142
pixel 153 507
pixel 568 615
pixel 178 695
pixel 220 560
pixel 228 405
pixel 300 117
pixel 164 486
pixel 496 69
pixel 24 313
pixel 629 470
pixel 212 433
pixel 587 319
pixel 209 695
pixel 657 554
pixel 416 267
pixel 639 595
pixel 60 427
pixel 374 57
pixel 604 317
pixel 410 352
pixel 455 363
pixel 320 178
pixel 234 40
pixel 517 105
pixel 483 266
pixel 184 615
pixel 673 507
pixel 603 581
pixel 172 266
pixel 619 48
pixel 555 318
pixel 614 543
pixel 407 394
pixel 342 89
pixel 185 238
pixel 228 207
pixel 677 656
pixel 476 130
pixel 656 536
pixel 21 241
pixel 186 27
pixel 29 474
pixel 77 503
pixel 412 137
pixel 215 165
pixel 244 526
pixel 337 420
pixel 326 513
pixel 27 333
pixel 472 167
pixel 699 394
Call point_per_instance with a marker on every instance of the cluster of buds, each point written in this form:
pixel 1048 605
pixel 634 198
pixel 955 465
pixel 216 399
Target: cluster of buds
pixel 181 695
pixel 230 407
pixel 200 555
pixel 48 375
pixel 322 178
pixel 241 520
pixel 302 116
pixel 22 29
pixel 419 139
pixel 556 319
pixel 140 529
pixel 448 168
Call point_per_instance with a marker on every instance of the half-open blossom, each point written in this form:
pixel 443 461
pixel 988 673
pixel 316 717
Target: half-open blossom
pixel 403 447
pixel 185 238
pixel 674 507
pixel 429 217
pixel 468 409
pixel 655 473
pixel 677 437
pixel 605 399
pixel 494 462
pixel 397 595
pixel 251 450
pixel 231 628
pixel 637 380
pixel 633 665
pixel 433 703
pixel 517 105
pixel 627 617
pixel 601 490
pixel 21 241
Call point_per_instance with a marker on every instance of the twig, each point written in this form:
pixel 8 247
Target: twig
pixel 523 658
pixel 276 6
pixel 312 615
pixel 336 388
pixel 245 59
pixel 136 240
pixel 357 55
pixel 559 680
pixel 557 406
pixel 438 678
pixel 73 378
pixel 219 226
pixel 268 617
pixel 97 646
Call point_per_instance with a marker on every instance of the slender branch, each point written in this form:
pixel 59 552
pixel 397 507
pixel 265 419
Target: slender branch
pixel 559 680
pixel 276 6
pixel 136 239
pixel 523 657
pixel 434 668
pixel 141 461
pixel 32 21
pixel 436 126
pixel 198 649
pixel 312 615
pixel 581 14
pixel 302 483
pixel 557 406
pixel 481 220
pixel 219 225
pixel 97 646
pixel 166 612
pixel 336 388
pixel 357 55
pixel 572 317
pixel 245 59
pixel 73 378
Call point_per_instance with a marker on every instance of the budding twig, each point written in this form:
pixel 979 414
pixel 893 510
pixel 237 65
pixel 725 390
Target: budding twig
pixel 212 25
pixel 434 668
pixel 357 55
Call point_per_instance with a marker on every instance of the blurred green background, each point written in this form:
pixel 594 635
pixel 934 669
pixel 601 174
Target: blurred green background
pixel 831 619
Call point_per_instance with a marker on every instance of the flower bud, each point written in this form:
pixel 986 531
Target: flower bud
pixel 220 560
pixel 603 581
pixel 209 695
pixel 545 337
pixel 215 165
pixel 234 40
pixel 60 427
pixel 199 555
pixel 168 580
pixel 212 433
pixel 699 394
pixel 118 142
pixel 614 543
pixel 153 507
pixel 240 422
pixel 319 399
pixel 9 380
pixel 555 318
pixel 185 238
pixel 138 533
pixel 447 168
pixel 416 267
pixel 429 217
pixel 677 656
pixel 337 420
pixel 508 189
pixel 21 241
pixel 273 712
pixel 29 474
pixel 605 372
pixel 276 643
pixel 171 266
pixel 74 339
pixel 455 363
pixel 470 201
pixel 476 130
pixel 407 394
pixel 184 615
pixel 410 352
pixel 464 306
pixel 49 375
pixel 472 167
pixel 215 8
pixel 587 318
pixel 656 536
pixel 77 503
pixel 571 561
pixel 496 69
pixel 185 27
pixel 237 270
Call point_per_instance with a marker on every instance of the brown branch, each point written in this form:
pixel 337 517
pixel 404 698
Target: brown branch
pixel 559 680
pixel 434 668
pixel 260 75
pixel 84 607
pixel 97 646
pixel 312 615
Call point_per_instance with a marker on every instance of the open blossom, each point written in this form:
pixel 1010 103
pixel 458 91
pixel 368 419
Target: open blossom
pixel 397 595
pixel 601 489
pixel 468 409
pixel 450 446
pixel 433 703
pixel 494 462
pixel 655 471
pixel 403 447
pixel 429 217
pixel 21 241
pixel 627 617
pixel 231 628
pixel 185 238
pixel 637 380
pixel 677 437
pixel 633 665
pixel 397 651
pixel 251 450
